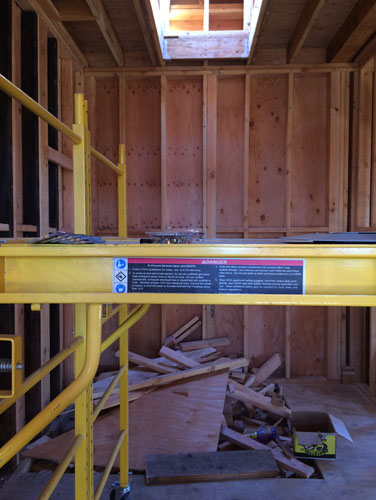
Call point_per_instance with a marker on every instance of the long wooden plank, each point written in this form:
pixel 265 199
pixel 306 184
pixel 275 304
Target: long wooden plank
pixel 149 363
pixel 150 31
pixel 285 463
pixel 59 158
pixel 358 27
pixel 253 398
pixel 214 466
pixel 172 339
pixel 269 367
pixel 192 372
pixel 178 358
pixel 303 27
pixel 201 344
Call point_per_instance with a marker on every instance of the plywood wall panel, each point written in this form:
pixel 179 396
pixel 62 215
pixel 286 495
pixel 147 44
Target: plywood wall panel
pixel 184 153
pixel 230 144
pixel 229 323
pixel 107 143
pixel 145 336
pixel 309 176
pixel 179 315
pixel 267 160
pixel 143 153
pixel 308 325
pixel 265 331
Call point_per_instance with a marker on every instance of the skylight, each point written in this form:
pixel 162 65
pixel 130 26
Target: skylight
pixel 206 29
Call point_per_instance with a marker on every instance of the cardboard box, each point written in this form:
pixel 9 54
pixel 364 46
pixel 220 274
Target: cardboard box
pixel 315 434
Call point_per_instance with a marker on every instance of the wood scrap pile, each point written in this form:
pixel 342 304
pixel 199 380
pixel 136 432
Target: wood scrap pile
pixel 191 399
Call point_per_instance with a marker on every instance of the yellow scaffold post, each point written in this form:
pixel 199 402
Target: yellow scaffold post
pixel 84 476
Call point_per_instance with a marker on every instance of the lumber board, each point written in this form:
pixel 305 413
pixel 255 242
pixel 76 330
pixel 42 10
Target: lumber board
pixel 267 369
pixel 210 466
pixel 253 398
pixel 178 358
pixel 216 366
pixel 172 339
pixel 191 422
pixel 202 344
pixel 285 463
pixel 148 363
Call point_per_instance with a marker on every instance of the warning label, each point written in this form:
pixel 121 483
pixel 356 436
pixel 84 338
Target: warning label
pixel 213 276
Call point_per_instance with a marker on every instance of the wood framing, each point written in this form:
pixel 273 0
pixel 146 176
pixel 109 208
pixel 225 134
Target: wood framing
pixel 303 26
pixel 108 32
pixel 50 16
pixel 153 36
pixel 358 27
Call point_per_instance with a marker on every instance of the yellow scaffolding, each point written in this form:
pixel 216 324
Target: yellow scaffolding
pixel 335 275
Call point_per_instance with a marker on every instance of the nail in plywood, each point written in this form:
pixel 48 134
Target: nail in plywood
pixel 267 131
pixel 309 183
pixel 161 469
pixel 143 153
pixel 184 153
pixel 230 138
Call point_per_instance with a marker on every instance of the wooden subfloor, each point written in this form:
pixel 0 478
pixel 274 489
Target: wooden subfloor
pixel 352 476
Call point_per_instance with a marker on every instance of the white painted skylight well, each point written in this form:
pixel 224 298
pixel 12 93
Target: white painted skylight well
pixel 206 29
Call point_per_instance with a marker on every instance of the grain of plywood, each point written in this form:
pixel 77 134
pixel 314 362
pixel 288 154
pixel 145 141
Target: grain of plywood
pixel 229 323
pixel 266 331
pixel 144 336
pixel 309 162
pixel 308 330
pixel 107 143
pixel 184 153
pixel 267 134
pixel 178 315
pixel 181 418
pixel 143 153
pixel 230 143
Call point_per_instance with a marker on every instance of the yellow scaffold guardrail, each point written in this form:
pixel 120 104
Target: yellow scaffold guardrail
pixel 87 345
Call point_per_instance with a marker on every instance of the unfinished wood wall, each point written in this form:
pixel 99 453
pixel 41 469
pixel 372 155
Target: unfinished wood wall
pixel 36 176
pixel 232 155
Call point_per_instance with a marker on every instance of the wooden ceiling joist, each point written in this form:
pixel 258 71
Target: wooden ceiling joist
pixel 303 27
pixel 355 32
pixel 71 10
pixel 257 18
pixel 144 11
pixel 108 32
pixel 47 11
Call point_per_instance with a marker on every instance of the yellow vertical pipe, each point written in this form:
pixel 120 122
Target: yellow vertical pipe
pixel 122 194
pixel 84 479
pixel 123 342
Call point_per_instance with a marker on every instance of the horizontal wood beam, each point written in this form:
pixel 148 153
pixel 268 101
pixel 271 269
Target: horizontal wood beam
pixel 4 227
pixel 355 32
pixel 59 158
pixel 51 17
pixel 107 29
pixel 309 15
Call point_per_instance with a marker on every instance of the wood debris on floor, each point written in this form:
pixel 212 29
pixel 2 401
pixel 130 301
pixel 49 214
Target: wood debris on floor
pixel 192 400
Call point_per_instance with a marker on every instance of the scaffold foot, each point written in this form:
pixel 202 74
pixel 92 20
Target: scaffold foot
pixel 118 492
